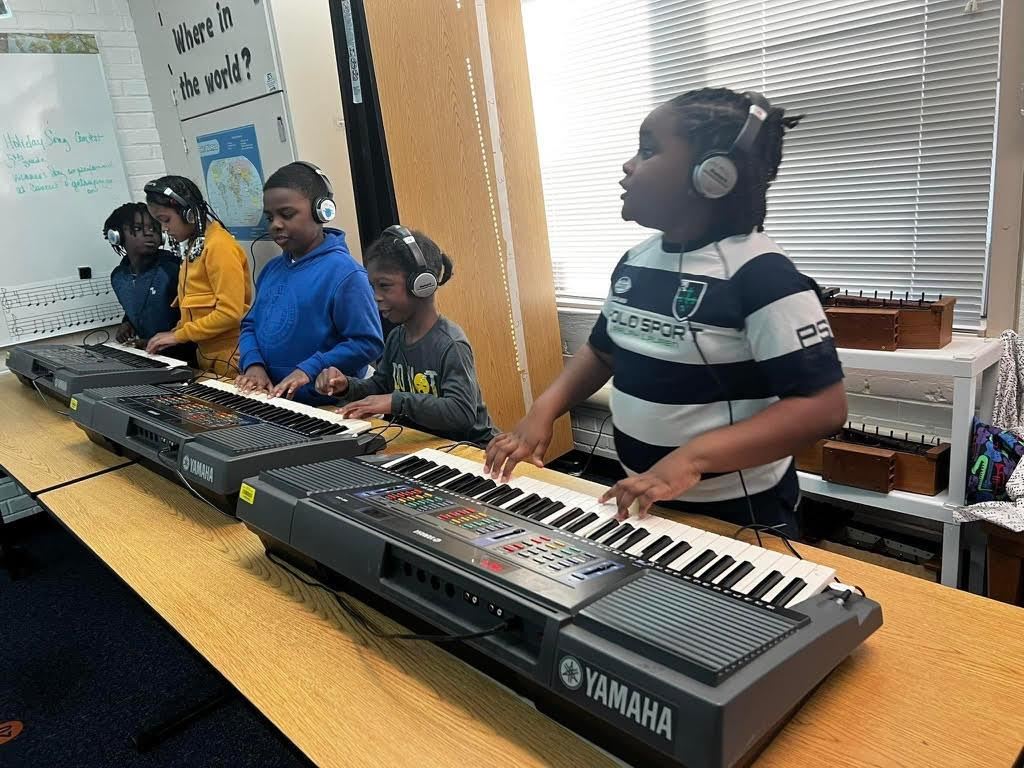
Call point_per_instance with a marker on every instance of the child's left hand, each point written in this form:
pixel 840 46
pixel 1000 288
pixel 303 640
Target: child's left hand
pixel 368 406
pixel 290 384
pixel 659 483
pixel 161 341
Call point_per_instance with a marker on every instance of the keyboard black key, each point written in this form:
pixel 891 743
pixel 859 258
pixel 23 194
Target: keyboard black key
pixel 434 475
pixel 655 547
pixel 717 568
pixel 680 549
pixel 620 534
pixel 494 493
pixel 562 520
pixel 699 562
pixel 549 509
pixel 527 511
pixel 788 592
pixel 506 496
pixel 735 575
pixel 463 482
pixel 452 472
pixel 406 463
pixel 604 530
pixel 481 487
pixel 523 503
pixel 634 538
pixel 765 585
pixel 583 522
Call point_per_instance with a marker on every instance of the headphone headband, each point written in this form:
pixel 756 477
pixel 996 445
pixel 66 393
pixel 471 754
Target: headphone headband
pixel 155 189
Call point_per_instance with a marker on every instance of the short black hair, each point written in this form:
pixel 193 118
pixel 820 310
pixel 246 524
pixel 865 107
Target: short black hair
pixel 299 177
pixel 123 217
pixel 188 191
pixel 392 252
pixel 710 119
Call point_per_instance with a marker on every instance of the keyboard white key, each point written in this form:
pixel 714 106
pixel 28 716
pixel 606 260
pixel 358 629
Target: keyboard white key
pixel 170 362
pixel 356 426
pixel 762 562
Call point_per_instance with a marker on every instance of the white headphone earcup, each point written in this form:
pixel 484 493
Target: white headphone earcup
pixel 326 210
pixel 113 237
pixel 715 176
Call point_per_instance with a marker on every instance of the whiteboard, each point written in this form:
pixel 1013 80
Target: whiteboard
pixel 61 175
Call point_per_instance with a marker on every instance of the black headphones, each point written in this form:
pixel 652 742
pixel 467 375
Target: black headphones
pixel 422 283
pixel 189 212
pixel 324 209
pixel 715 175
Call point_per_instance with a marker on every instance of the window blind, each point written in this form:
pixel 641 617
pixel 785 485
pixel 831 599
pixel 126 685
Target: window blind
pixel 884 186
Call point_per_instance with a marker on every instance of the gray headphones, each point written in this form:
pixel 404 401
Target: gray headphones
pixel 715 175
pixel 324 209
pixel 422 283
pixel 189 212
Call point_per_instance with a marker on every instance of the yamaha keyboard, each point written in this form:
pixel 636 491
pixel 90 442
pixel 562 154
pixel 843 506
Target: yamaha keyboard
pixel 694 648
pixel 210 436
pixel 63 370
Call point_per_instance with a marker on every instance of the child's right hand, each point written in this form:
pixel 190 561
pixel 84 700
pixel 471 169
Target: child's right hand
pixel 124 332
pixel 528 441
pixel 331 381
pixel 255 379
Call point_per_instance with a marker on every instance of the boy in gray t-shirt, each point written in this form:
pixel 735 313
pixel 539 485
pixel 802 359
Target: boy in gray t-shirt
pixel 426 377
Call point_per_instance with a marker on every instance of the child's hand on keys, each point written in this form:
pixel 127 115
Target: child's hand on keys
pixel 124 332
pixel 527 442
pixel 639 492
pixel 331 381
pixel 290 384
pixel 368 406
pixel 255 379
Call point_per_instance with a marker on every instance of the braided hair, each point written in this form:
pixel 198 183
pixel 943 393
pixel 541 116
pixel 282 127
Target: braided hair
pixel 122 218
pixel 189 191
pixel 393 253
pixel 710 119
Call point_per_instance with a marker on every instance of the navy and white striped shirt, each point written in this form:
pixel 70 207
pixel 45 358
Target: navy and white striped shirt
pixel 761 335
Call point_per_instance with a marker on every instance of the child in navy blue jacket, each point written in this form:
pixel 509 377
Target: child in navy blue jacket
pixel 314 306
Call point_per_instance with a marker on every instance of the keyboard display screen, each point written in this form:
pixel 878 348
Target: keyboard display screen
pixel 188 413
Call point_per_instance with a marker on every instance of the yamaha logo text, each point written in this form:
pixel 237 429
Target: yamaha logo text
pixel 198 468
pixel 643 710
pixel 427 536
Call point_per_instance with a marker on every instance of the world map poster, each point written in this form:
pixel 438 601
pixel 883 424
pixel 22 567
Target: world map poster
pixel 234 179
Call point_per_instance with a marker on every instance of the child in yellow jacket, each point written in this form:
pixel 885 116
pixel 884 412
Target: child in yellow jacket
pixel 214 286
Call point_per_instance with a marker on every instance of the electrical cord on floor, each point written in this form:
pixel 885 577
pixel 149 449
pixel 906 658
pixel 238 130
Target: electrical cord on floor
pixel 357 616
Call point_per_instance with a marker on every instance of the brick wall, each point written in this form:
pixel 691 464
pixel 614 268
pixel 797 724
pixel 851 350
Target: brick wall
pixel 111 23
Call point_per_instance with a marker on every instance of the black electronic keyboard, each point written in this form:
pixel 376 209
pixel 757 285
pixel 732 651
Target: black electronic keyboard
pixel 666 652
pixel 210 436
pixel 64 370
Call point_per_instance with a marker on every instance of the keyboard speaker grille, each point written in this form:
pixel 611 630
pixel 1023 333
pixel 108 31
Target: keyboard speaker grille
pixel 694 629
pixel 334 475
pixel 253 437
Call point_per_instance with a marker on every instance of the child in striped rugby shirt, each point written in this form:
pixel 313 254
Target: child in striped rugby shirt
pixel 722 359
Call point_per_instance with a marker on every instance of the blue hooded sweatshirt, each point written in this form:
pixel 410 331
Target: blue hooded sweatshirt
pixel 310 314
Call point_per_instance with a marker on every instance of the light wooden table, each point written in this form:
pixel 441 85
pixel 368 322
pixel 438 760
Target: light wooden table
pixel 941 684
pixel 39 447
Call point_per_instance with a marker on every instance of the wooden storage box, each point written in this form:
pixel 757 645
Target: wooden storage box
pixel 926 473
pixel 873 469
pixel 865 322
pixel 856 328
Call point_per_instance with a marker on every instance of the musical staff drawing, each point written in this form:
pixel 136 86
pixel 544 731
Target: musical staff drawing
pixel 54 293
pixel 65 321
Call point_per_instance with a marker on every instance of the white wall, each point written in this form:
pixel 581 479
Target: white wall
pixel 111 23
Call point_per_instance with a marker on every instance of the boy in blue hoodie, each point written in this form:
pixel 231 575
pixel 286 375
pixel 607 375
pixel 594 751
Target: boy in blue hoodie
pixel 314 306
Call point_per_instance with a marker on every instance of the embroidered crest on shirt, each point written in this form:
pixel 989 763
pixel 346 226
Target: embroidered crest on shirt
pixel 688 297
